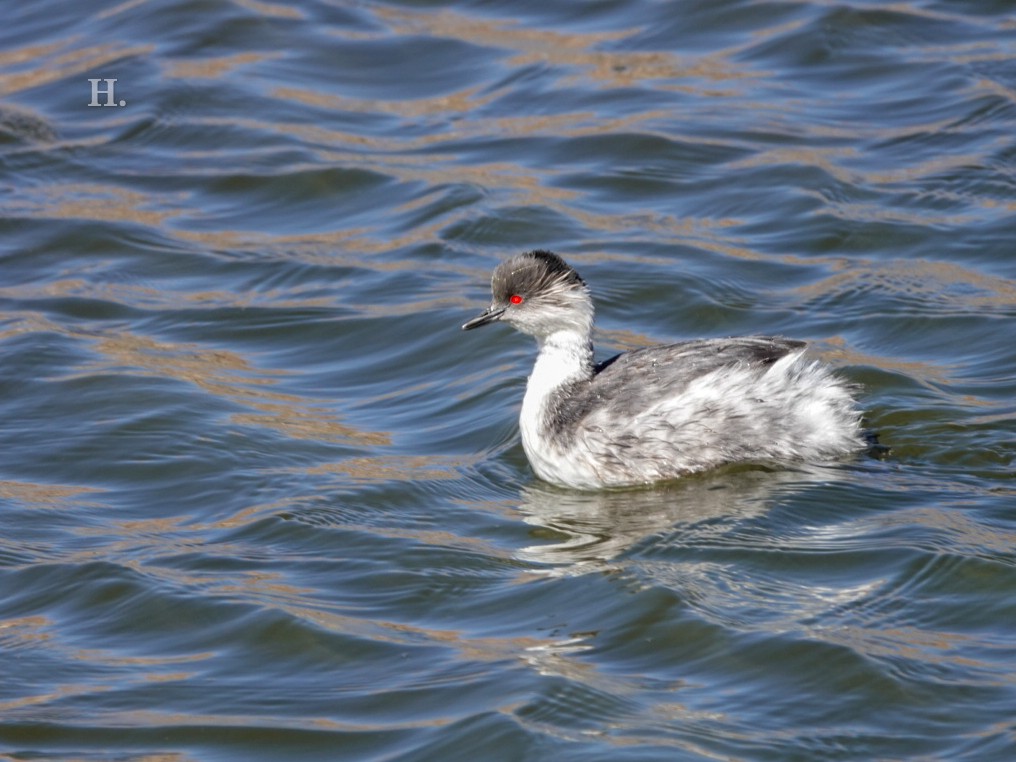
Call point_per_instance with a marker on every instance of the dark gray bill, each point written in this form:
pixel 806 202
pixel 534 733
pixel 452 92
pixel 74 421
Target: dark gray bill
pixel 488 316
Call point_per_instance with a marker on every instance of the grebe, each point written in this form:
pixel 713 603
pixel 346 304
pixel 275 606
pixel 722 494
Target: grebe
pixel 660 412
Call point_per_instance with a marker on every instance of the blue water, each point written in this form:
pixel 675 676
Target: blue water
pixel 261 499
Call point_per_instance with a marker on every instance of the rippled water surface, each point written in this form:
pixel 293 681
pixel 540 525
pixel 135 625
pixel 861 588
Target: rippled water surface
pixel 263 500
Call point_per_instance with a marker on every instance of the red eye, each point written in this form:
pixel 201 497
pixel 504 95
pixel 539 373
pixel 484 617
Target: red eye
pixel 515 299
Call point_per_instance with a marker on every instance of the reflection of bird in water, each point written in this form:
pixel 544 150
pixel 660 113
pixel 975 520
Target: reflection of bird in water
pixel 665 411
pixel 582 529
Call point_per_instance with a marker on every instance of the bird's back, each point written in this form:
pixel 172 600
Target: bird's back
pixel 664 411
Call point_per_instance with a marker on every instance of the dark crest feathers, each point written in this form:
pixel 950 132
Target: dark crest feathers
pixel 532 273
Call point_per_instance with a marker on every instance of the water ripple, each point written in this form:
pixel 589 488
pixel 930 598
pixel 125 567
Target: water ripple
pixel 263 499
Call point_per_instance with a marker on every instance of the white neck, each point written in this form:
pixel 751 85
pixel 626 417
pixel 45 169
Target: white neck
pixel 565 356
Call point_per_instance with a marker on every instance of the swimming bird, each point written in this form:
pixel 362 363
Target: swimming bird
pixel 660 412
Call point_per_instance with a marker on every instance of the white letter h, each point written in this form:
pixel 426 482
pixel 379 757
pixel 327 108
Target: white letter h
pixel 108 91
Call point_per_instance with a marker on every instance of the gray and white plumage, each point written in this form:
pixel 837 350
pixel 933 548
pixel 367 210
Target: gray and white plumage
pixel 660 412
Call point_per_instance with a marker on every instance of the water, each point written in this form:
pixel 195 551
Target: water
pixel 263 500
